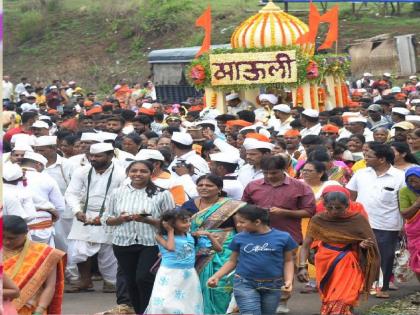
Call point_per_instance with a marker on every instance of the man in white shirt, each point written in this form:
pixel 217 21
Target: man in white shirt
pixel 7 88
pixel 21 87
pixel 357 126
pixel 376 187
pixel 15 200
pixel 46 195
pixel 235 104
pixel 185 156
pixel 255 151
pixel 282 118
pixel 87 139
pixel 86 196
pixel 310 120
pixel 59 169
pixel 365 82
pixel 224 164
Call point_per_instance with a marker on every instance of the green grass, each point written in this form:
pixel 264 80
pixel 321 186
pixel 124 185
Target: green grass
pixel 84 39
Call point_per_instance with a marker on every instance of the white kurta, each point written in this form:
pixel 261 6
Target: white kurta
pixel 248 173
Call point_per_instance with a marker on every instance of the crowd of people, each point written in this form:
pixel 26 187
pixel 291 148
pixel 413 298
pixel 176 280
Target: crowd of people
pixel 182 209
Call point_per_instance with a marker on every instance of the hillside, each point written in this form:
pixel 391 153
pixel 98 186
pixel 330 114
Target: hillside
pixel 97 42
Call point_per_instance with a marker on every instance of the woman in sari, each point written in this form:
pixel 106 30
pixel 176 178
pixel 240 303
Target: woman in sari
pixel 347 256
pixel 36 268
pixel 213 213
pixel 409 198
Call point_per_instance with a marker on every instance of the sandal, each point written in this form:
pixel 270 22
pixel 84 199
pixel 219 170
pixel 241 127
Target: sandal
pixel 382 295
pixel 79 289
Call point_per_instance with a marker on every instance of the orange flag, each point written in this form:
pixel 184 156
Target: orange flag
pixel 204 21
pixel 314 20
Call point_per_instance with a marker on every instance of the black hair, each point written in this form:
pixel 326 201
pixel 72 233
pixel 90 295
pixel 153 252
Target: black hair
pixel 61 134
pixel 383 151
pixel 336 111
pixel 312 140
pixel 273 163
pixel 206 147
pixel 254 213
pixel 134 137
pixel 264 151
pixel 171 216
pixel 246 115
pixel 150 134
pixel 166 152
pixel 116 118
pixel 336 121
pixel 208 125
pixel 84 117
pixel 296 124
pixel 71 139
pixel 14 224
pixel 402 147
pixel 171 130
pixel 229 167
pixel 151 188
pixel 325 113
pixel 217 180
pixel 336 196
pixel 280 142
pixel 225 117
pixel 159 116
pixel 361 138
pixel 319 154
pixel 417 132
pixel 319 168
pixel 26 116
pixel 300 109
pixel 246 131
pixel 127 114
pixel 143 119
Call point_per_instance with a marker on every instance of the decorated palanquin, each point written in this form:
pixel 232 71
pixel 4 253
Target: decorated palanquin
pixel 273 51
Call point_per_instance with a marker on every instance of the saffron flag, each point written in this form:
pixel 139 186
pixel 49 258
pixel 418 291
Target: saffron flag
pixel 204 21
pixel 315 19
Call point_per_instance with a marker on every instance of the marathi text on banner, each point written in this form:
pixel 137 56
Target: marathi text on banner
pixel 253 68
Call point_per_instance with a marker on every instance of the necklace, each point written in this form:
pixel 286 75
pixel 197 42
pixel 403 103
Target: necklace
pixel 203 205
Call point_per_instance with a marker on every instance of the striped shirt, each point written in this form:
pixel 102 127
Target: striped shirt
pixel 134 201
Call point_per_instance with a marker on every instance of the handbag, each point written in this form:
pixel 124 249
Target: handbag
pixel 402 271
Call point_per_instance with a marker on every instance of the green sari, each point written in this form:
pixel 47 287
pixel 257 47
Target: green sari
pixel 216 300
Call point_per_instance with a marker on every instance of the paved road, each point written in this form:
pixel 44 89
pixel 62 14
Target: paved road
pixel 300 304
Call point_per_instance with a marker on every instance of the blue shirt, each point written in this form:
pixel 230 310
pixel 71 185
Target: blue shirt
pixel 261 256
pixel 183 257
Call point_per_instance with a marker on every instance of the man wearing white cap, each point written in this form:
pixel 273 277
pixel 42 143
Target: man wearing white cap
pixel 235 104
pixel 122 157
pixel 365 82
pixel 282 118
pixel 310 120
pixel 86 196
pixel 399 113
pixel 46 196
pixel 17 153
pixel 59 169
pixel 357 126
pixel 255 151
pixel 163 178
pixel 87 139
pixel 16 200
pixel 264 112
pixel 224 164
pixel 40 128
pixel 186 162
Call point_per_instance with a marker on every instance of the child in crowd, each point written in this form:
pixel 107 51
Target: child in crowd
pixel 177 288
pixel 263 260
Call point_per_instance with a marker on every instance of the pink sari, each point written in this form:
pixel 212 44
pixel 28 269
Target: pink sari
pixel 412 230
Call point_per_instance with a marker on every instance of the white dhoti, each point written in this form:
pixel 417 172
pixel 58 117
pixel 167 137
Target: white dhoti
pixel 79 251
pixel 45 236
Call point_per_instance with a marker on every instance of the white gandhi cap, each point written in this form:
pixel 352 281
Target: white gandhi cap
pixel 11 171
pixel 40 124
pixel 182 138
pixel 149 154
pixel 225 157
pixel 282 108
pixel 100 148
pixel 251 143
pixel 311 113
pixel 401 110
pixel 231 96
pixel 35 157
pixel 90 136
pixel 45 140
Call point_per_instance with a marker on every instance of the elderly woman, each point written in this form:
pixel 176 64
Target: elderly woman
pixel 213 213
pixel 381 135
pixel 347 257
pixel 409 198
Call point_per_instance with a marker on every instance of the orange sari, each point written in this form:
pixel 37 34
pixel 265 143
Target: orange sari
pixel 29 269
pixel 343 269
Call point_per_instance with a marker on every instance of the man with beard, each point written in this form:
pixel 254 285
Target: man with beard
pixel 141 124
pixel 85 196
pixel 292 139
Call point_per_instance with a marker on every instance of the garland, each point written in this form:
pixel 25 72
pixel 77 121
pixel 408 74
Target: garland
pixel 310 69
